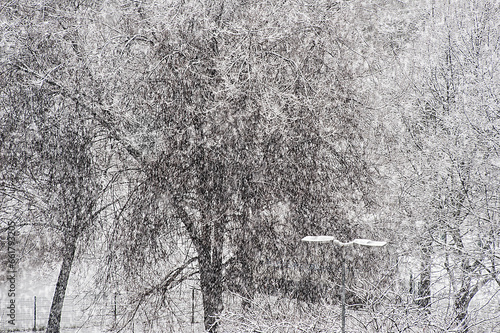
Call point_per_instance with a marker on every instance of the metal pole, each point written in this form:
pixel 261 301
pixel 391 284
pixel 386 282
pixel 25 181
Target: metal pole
pixel 34 314
pixel 192 306
pixel 326 239
pixel 343 289
pixel 114 310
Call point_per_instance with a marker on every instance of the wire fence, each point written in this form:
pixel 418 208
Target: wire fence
pixel 78 312
pixel 98 313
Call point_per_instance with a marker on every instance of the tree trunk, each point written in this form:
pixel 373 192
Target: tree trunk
pixel 462 301
pixel 244 255
pixel 424 287
pixel 210 246
pixel 247 283
pixel 210 263
pixel 54 323
pixel 209 242
pixel 465 295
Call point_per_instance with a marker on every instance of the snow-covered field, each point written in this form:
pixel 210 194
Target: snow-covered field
pixel 35 287
pixel 83 313
pixel 84 310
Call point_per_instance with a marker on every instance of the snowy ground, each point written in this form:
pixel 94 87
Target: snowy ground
pixel 81 313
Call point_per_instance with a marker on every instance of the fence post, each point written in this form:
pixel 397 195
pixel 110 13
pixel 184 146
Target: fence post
pixel 192 305
pixel 114 310
pixel 34 314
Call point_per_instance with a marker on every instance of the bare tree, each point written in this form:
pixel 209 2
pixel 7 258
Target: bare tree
pixel 51 147
pixel 55 166
pixel 454 151
pixel 226 110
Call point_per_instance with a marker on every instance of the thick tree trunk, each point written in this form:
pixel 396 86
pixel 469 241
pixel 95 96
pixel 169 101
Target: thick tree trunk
pixel 210 246
pixel 210 262
pixel 247 282
pixel 209 242
pixel 54 323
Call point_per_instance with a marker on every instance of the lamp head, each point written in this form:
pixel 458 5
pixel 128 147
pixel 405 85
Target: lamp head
pixel 369 242
pixel 318 239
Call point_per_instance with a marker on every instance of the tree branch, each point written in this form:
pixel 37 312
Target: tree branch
pixel 98 111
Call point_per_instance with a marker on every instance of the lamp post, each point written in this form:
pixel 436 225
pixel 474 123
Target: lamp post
pixel 328 239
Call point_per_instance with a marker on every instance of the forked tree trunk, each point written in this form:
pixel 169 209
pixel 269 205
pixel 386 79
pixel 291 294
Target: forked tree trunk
pixel 467 289
pixel 465 295
pixel 54 324
pixel 462 301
